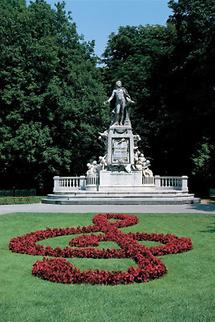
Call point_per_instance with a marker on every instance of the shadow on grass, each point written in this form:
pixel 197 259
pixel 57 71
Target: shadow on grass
pixel 210 229
pixel 204 207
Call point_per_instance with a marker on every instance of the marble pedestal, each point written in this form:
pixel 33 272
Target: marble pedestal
pixel 120 146
pixel 111 181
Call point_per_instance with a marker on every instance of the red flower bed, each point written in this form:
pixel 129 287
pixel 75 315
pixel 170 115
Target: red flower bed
pixel 60 270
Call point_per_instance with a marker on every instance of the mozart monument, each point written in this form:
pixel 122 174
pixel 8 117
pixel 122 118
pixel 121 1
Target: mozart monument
pixel 122 175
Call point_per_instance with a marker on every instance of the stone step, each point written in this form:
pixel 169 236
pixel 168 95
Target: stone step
pixel 99 194
pixel 98 199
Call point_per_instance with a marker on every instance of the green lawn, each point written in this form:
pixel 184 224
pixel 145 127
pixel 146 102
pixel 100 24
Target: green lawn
pixel 185 293
pixel 20 200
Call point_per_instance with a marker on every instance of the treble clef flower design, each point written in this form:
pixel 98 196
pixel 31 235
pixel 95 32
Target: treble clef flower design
pixel 59 269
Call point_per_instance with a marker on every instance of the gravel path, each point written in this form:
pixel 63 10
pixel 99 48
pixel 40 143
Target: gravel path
pixel 40 208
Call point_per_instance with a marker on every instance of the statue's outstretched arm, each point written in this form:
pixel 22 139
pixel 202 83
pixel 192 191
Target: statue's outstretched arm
pixel 128 97
pixel 112 96
pixel 130 100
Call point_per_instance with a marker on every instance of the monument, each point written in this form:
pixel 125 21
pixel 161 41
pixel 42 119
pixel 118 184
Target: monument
pixel 123 174
pixel 123 166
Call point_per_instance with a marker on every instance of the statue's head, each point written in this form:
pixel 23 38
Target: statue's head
pixel 118 83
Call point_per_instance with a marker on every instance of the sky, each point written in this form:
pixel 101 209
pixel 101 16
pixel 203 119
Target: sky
pixel 96 19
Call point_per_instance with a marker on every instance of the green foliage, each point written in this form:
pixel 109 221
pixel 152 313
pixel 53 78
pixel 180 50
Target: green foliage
pixel 201 159
pixel 192 83
pixel 51 95
pixel 19 200
pixel 194 21
pixel 17 192
pixel 203 164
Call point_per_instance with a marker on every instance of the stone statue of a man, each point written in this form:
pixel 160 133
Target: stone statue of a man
pixel 122 98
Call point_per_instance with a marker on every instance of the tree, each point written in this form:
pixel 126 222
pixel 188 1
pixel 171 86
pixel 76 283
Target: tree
pixel 204 165
pixel 192 81
pixel 51 95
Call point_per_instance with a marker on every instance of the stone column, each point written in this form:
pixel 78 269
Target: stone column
pixel 56 184
pixel 82 183
pixel 157 182
pixel 184 183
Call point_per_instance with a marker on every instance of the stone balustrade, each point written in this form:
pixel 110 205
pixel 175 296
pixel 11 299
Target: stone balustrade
pixel 91 183
pixel 148 180
pixel 66 184
pixel 94 180
pixel 175 183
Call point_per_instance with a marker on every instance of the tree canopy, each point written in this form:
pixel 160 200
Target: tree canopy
pixel 51 95
pixel 192 84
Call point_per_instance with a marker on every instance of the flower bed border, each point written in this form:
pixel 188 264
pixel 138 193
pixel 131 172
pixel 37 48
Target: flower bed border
pixel 60 270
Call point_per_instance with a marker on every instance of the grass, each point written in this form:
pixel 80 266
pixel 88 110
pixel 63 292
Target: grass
pixel 186 293
pixel 20 200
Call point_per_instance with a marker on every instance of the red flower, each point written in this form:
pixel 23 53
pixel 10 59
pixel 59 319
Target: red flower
pixel 60 270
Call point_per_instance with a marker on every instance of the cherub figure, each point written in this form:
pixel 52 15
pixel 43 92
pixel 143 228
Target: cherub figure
pixel 102 162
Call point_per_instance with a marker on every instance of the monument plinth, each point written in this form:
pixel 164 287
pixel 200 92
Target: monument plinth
pixel 120 172
pixel 120 145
